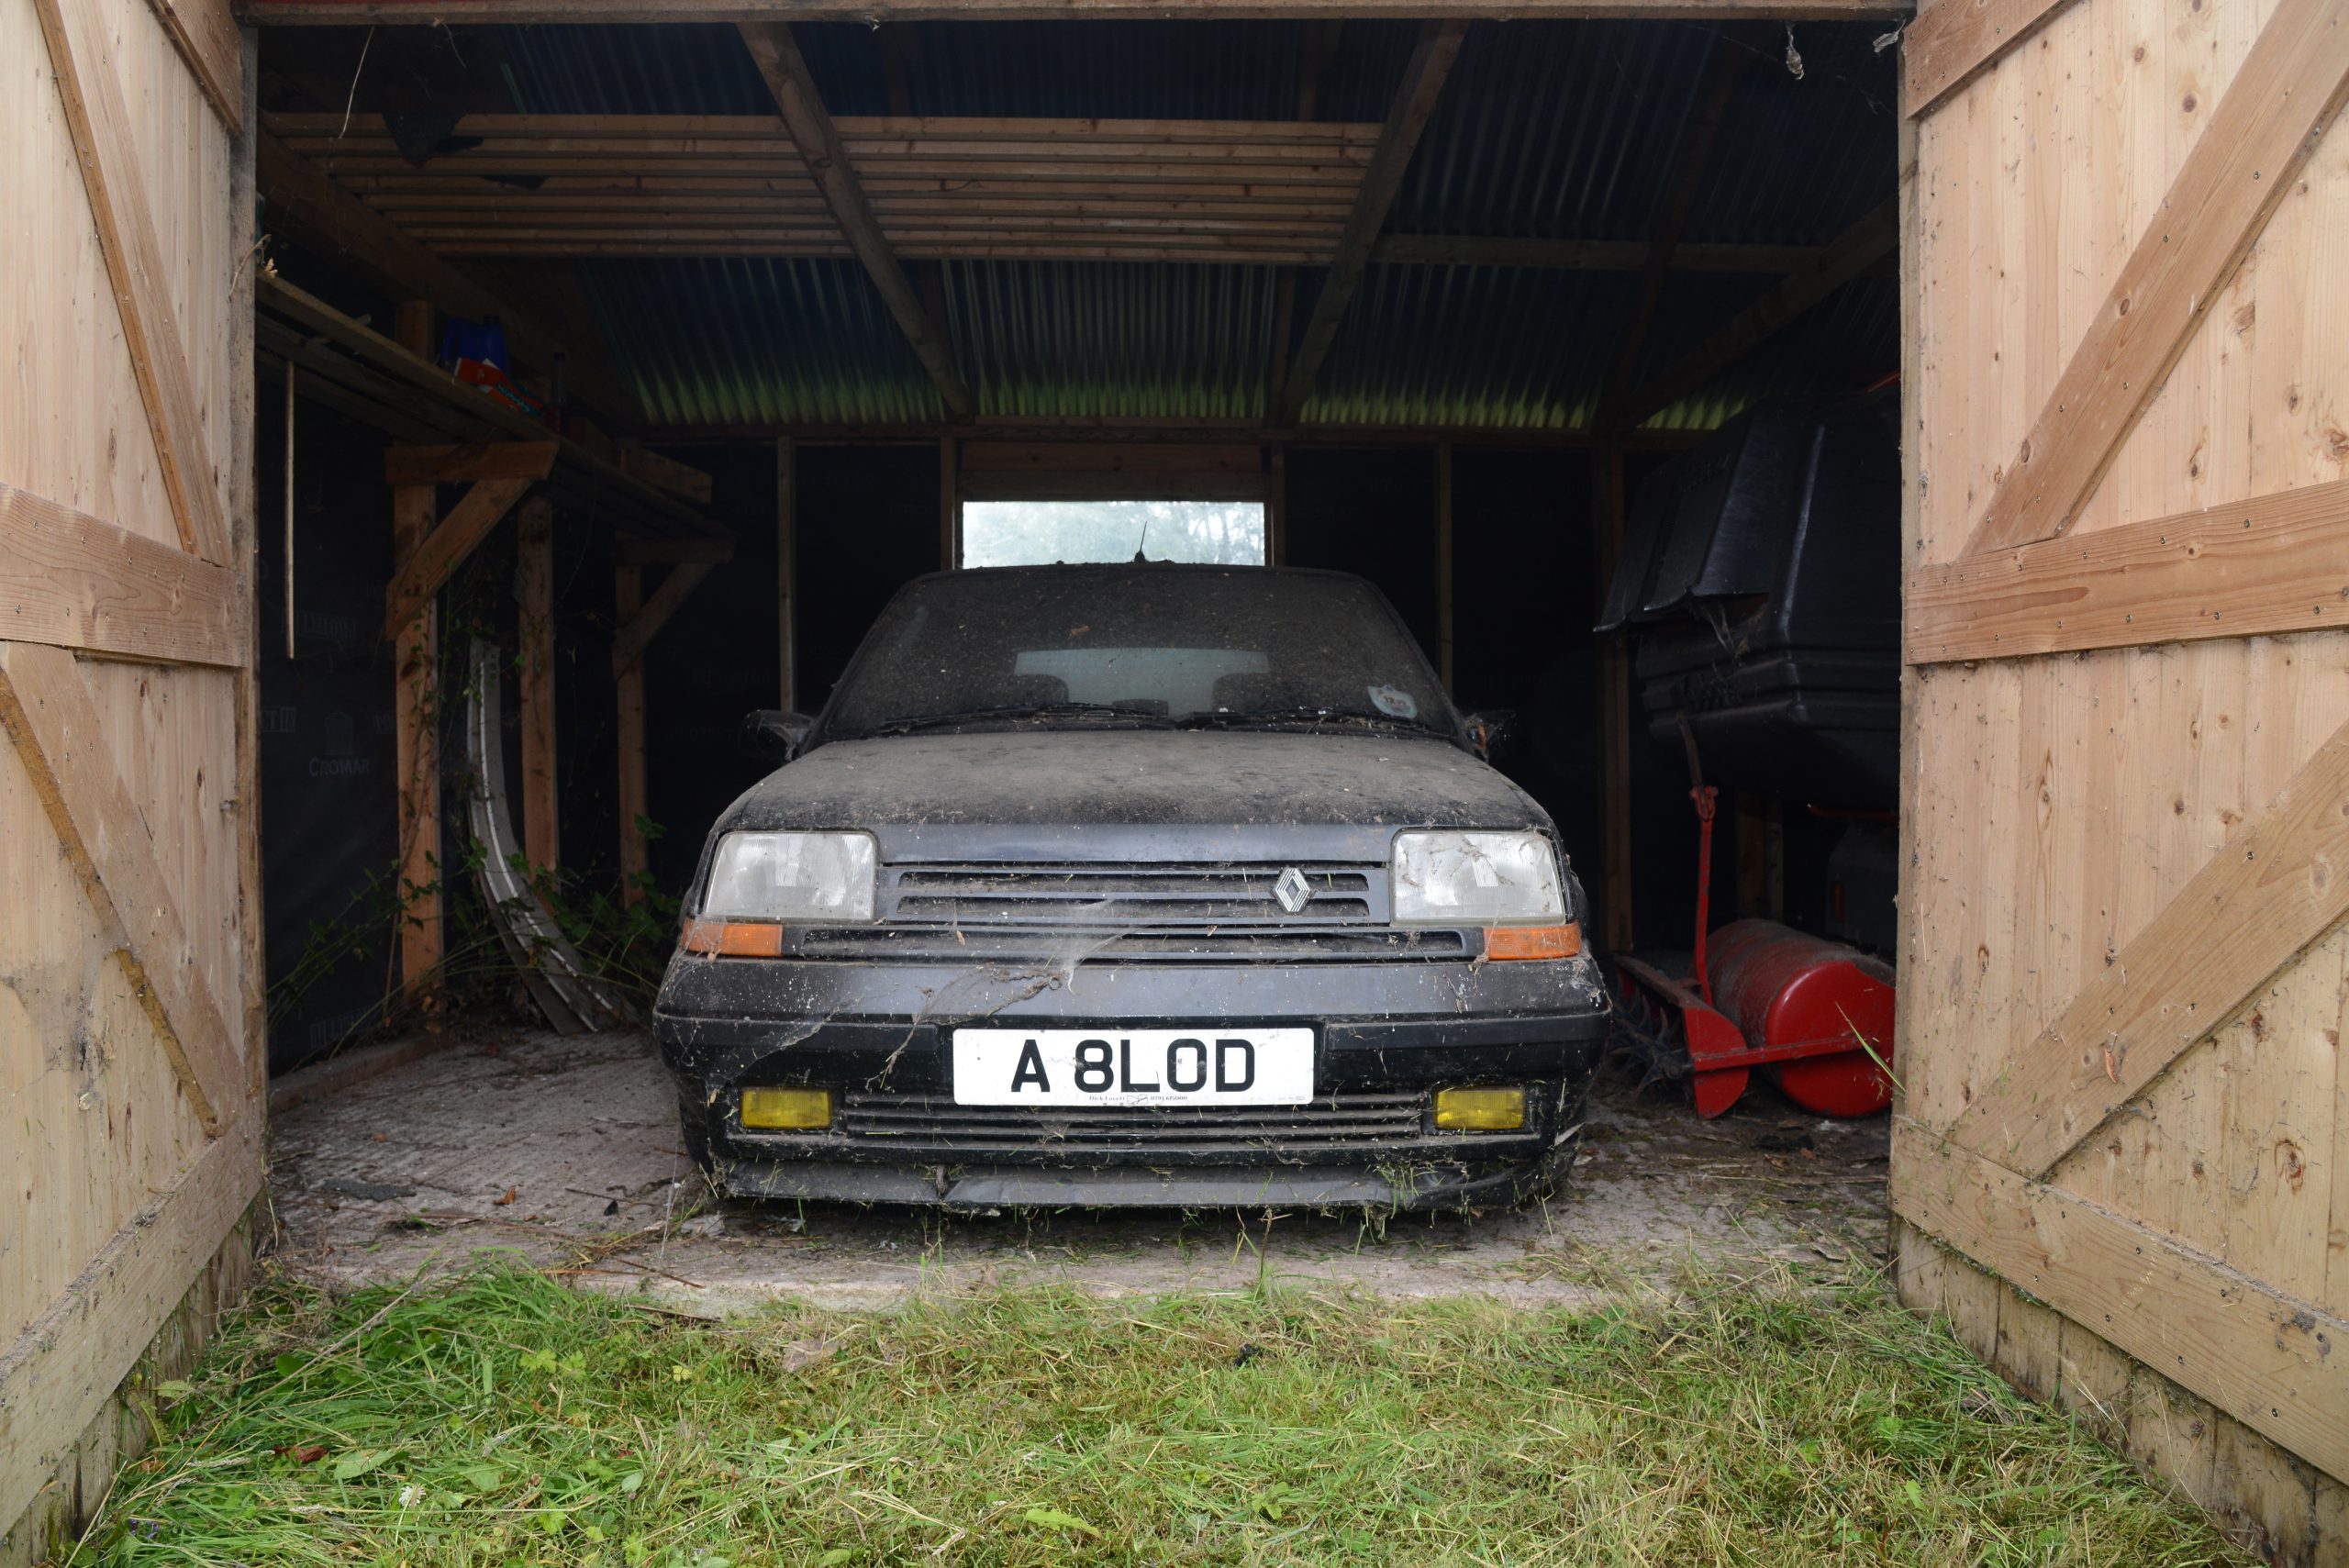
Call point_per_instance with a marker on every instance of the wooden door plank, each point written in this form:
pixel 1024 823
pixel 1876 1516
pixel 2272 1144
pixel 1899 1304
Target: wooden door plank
pixel 636 633
pixel 484 503
pixel 142 292
pixel 793 90
pixel 2277 1364
pixel 2279 885
pixel 58 1373
pixel 205 34
pixel 75 580
pixel 1423 78
pixel 45 710
pixel 2274 563
pixel 1952 41
pixel 2275 111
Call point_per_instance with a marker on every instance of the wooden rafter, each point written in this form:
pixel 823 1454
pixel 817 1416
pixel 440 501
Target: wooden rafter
pixel 793 90
pixel 1414 104
pixel 45 710
pixel 283 13
pixel 118 202
pixel 2273 114
pixel 1867 244
pixel 484 503
pixel 2272 1362
pixel 2280 884
pixel 305 203
pixel 2274 563
pixel 1723 65
pixel 75 580
pixel 462 462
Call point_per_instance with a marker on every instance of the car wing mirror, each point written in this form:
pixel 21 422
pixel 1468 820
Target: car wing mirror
pixel 1493 731
pixel 772 735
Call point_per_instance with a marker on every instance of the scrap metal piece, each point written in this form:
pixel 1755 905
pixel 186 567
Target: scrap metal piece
pixel 557 977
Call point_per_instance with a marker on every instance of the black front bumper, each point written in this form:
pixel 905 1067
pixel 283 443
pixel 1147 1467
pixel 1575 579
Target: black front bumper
pixel 1386 1035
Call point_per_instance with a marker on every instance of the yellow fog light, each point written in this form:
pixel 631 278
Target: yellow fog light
pixel 1480 1110
pixel 796 1110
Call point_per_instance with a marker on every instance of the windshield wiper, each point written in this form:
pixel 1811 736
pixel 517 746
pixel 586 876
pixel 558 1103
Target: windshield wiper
pixel 1021 710
pixel 1228 718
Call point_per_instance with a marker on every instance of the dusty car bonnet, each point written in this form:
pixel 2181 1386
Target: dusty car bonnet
pixel 1074 778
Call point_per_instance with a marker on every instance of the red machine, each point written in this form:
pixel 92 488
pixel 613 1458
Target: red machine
pixel 1815 1015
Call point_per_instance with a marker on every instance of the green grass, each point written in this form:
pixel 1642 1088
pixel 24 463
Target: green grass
pixel 507 1420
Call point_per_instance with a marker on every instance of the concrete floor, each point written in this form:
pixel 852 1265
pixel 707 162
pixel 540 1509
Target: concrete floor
pixel 562 1154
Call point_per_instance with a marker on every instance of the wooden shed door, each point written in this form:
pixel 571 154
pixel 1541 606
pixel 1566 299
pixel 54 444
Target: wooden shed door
pixel 131 1050
pixel 2127 791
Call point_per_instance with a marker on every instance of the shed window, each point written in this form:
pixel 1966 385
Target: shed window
pixel 1038 533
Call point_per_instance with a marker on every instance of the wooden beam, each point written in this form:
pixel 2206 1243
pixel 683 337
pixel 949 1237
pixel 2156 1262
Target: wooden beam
pixel 471 461
pixel 2280 884
pixel 2274 112
pixel 1709 104
pixel 1125 484
pixel 2274 563
pixel 785 73
pixel 1415 102
pixel 1607 516
pixel 1871 240
pixel 1099 427
pixel 637 632
pixel 75 580
pixel 45 710
pixel 636 861
pixel 105 144
pixel 362 13
pixel 1585 255
pixel 303 203
pixel 1952 41
pixel 205 34
pixel 60 1371
pixel 1277 505
pixel 2277 1364
pixel 787 574
pixel 1443 584
pixel 416 729
pixel 534 624
pixel 480 509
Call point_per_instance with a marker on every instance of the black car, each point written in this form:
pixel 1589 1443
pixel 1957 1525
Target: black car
pixel 1133 884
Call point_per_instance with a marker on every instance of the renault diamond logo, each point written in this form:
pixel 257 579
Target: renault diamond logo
pixel 1292 891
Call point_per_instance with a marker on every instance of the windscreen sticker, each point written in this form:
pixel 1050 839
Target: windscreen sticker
pixel 1395 702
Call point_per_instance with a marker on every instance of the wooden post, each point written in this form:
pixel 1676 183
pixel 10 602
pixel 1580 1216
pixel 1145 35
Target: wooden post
pixel 415 720
pixel 628 602
pixel 1276 508
pixel 534 591
pixel 1614 702
pixel 787 575
pixel 949 505
pixel 1444 612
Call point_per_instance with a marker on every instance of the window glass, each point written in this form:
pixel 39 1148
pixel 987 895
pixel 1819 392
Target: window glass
pixel 1039 533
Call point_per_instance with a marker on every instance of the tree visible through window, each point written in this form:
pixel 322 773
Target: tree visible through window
pixel 1036 533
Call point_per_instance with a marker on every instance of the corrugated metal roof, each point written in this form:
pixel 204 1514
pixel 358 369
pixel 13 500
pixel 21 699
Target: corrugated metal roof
pixel 1547 129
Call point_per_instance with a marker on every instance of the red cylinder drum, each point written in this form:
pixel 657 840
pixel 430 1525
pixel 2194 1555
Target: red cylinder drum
pixel 1786 990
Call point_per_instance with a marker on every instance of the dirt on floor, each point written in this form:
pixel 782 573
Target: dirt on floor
pixel 562 1153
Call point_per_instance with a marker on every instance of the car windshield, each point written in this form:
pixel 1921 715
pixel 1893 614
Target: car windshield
pixel 1147 645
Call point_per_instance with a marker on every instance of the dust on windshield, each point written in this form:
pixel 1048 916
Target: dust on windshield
pixel 1142 645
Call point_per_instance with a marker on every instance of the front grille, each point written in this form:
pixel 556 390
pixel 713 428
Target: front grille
pixel 1063 946
pixel 1331 1122
pixel 1121 894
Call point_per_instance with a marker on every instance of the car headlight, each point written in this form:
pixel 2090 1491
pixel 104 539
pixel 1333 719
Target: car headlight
pixel 1457 878
pixel 792 876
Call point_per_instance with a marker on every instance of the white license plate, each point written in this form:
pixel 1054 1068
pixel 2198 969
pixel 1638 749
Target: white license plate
pixel 1225 1066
